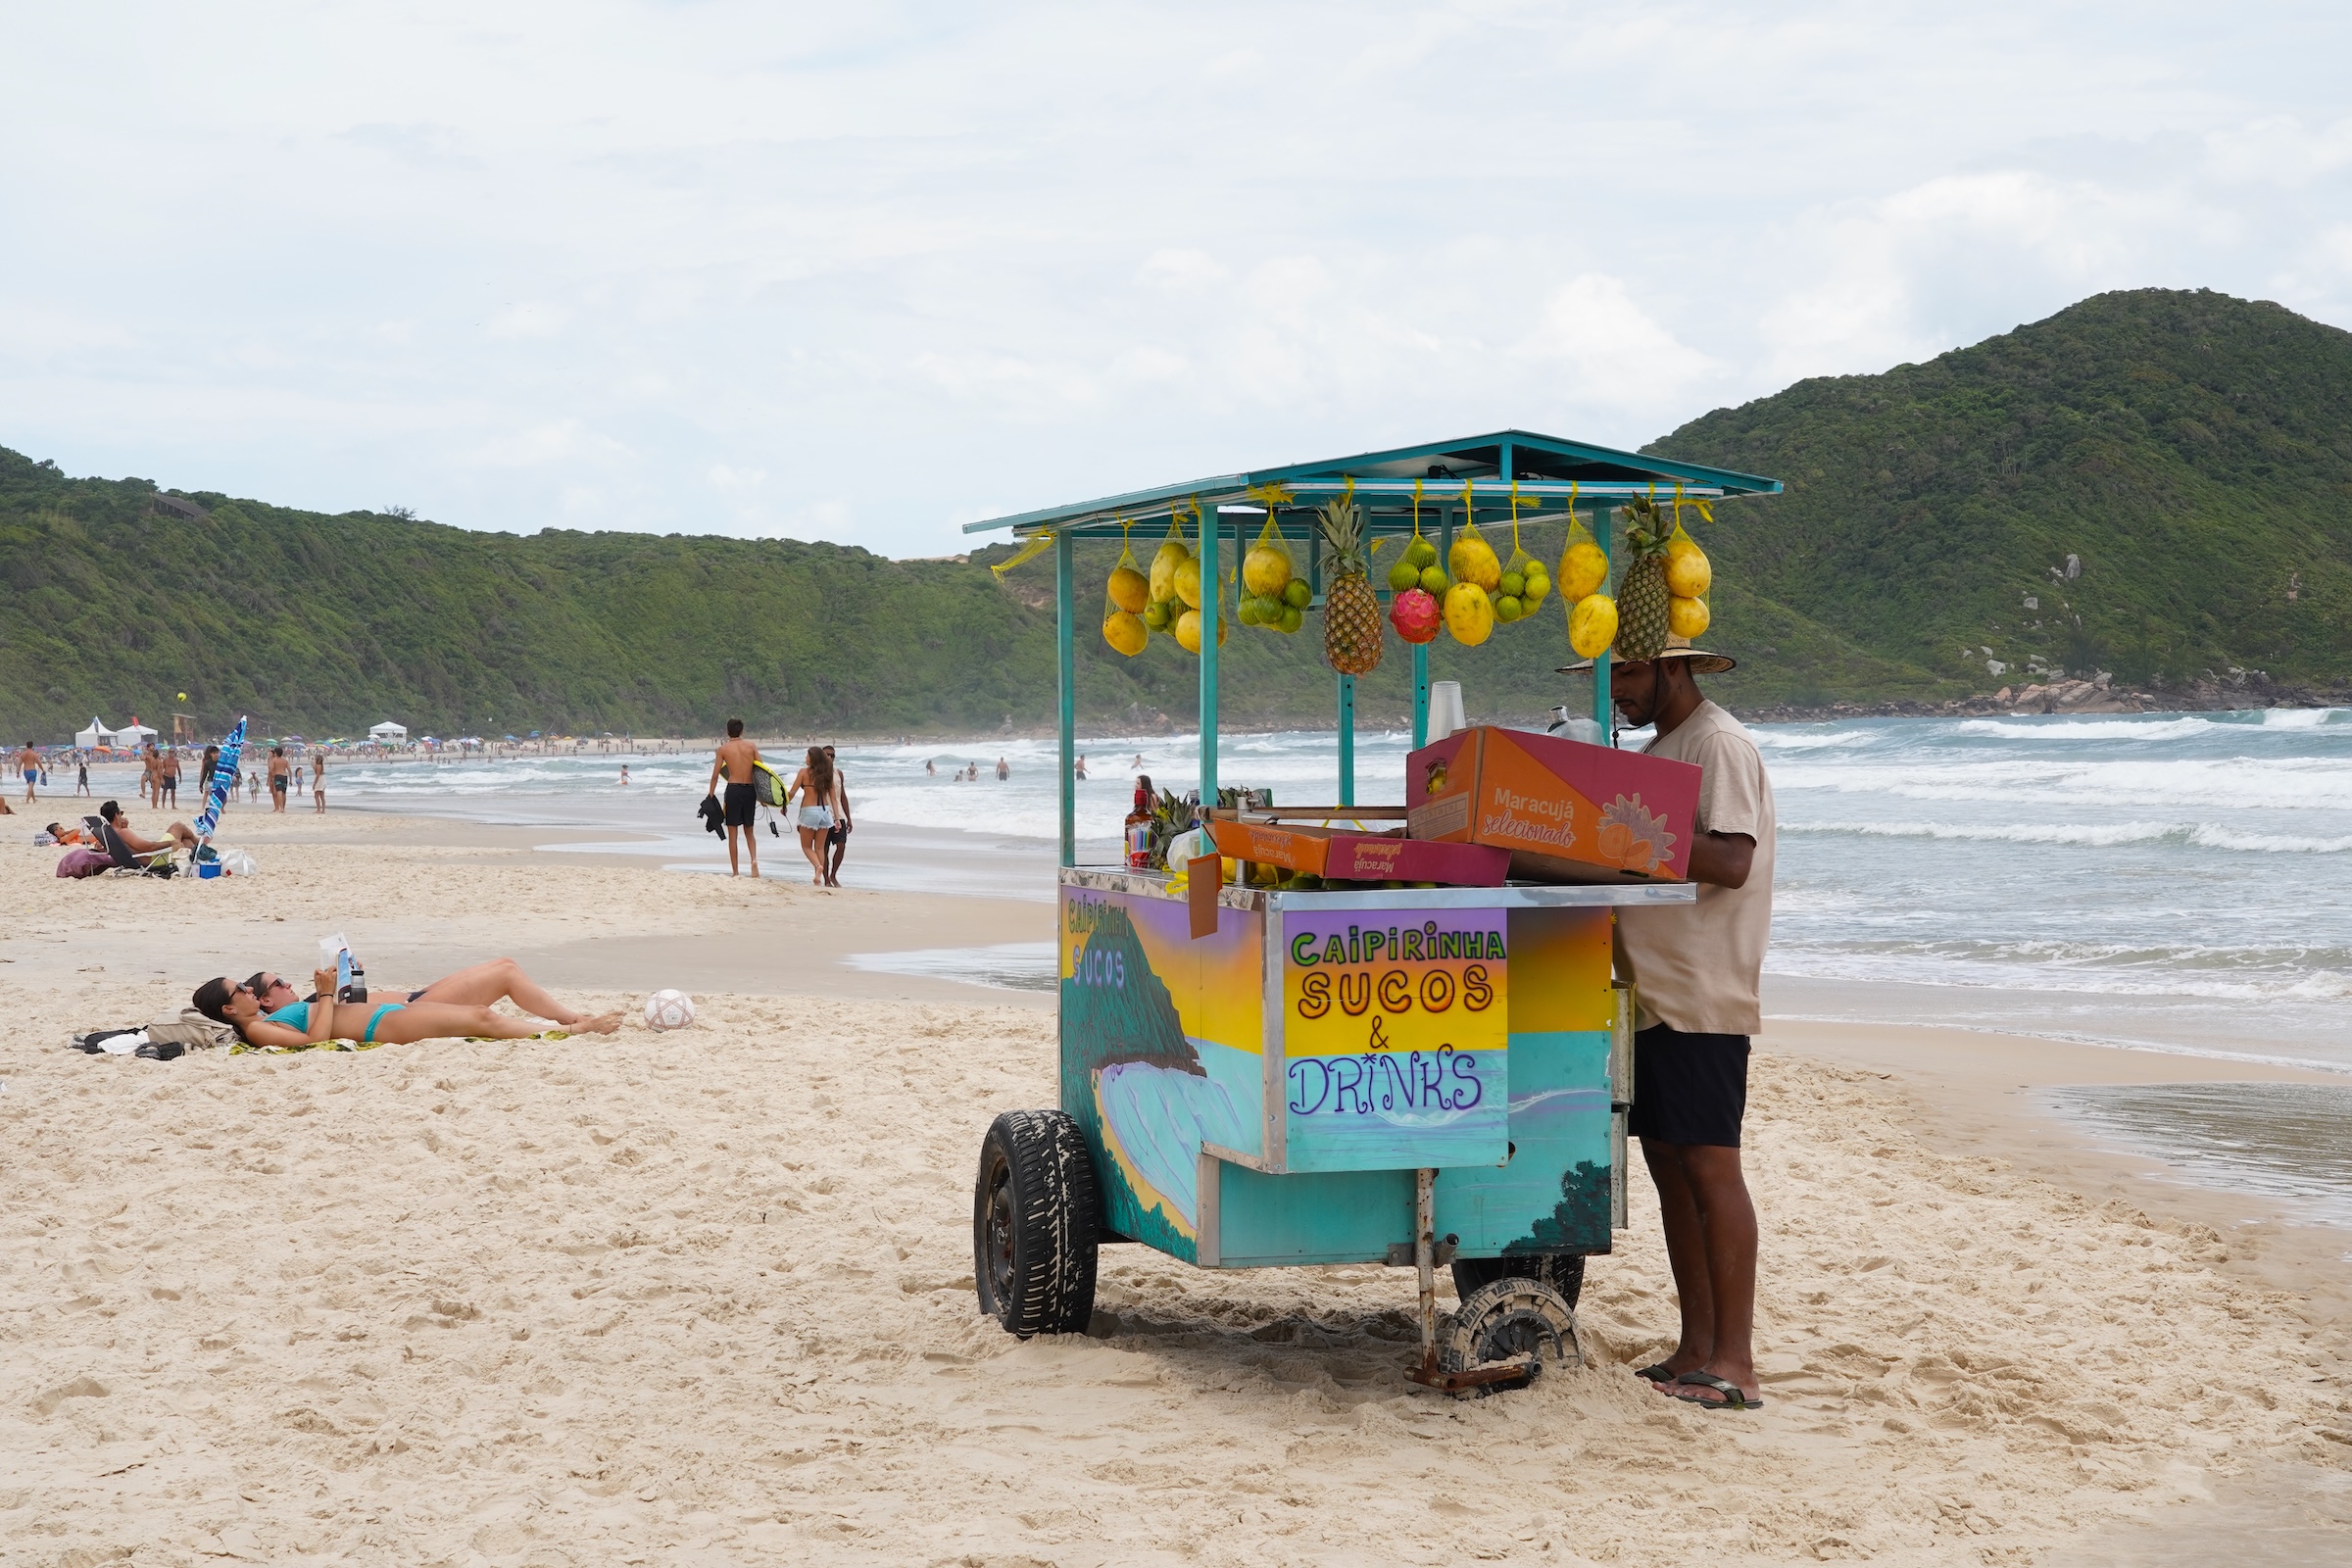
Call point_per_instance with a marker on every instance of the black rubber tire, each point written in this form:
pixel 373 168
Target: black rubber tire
pixel 1514 1317
pixel 1035 1219
pixel 1564 1272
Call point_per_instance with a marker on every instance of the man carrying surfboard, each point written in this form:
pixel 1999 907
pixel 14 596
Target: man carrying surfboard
pixel 738 758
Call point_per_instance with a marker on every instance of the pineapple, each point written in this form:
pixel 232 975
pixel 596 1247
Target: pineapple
pixel 1350 609
pixel 1641 594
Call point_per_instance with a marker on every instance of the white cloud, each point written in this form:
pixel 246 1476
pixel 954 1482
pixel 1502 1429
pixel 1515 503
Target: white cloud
pixel 733 480
pixel 529 319
pixel 1182 269
pixel 561 262
pixel 1612 346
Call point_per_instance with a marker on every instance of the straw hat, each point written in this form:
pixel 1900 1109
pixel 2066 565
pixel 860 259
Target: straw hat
pixel 1702 662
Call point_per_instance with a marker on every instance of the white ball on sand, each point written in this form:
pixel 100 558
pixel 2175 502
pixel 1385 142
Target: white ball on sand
pixel 668 1010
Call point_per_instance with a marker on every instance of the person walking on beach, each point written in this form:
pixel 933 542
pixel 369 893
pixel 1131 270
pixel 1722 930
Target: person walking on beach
pixel 1697 970
pixel 318 783
pixel 166 775
pixel 816 786
pixel 29 762
pixel 212 766
pixel 281 778
pixel 837 838
pixel 741 805
pixel 82 777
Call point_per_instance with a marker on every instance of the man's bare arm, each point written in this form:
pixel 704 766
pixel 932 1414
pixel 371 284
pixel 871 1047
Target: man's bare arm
pixel 1721 860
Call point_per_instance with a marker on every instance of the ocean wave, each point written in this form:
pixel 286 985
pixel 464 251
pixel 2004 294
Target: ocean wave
pixel 2238 783
pixel 2094 835
pixel 1770 738
pixel 2148 979
pixel 2301 717
pixel 2089 729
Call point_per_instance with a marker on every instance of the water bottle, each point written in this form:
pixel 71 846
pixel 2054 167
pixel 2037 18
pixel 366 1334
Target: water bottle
pixel 336 949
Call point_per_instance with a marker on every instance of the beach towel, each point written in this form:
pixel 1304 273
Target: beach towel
pixel 80 862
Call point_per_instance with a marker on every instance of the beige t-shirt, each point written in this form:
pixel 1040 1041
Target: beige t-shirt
pixel 1701 966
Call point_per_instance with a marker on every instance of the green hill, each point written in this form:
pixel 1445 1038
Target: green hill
pixel 2192 452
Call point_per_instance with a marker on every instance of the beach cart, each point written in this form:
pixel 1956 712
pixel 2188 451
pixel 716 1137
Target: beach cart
pixel 1365 1073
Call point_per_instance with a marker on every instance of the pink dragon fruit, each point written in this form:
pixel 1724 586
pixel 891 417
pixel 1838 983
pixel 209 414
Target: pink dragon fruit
pixel 1415 615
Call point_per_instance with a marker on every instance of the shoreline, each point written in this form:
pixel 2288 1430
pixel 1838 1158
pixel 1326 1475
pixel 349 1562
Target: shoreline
pixel 2029 697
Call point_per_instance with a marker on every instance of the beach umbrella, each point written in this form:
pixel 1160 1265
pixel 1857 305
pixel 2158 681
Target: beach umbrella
pixel 224 777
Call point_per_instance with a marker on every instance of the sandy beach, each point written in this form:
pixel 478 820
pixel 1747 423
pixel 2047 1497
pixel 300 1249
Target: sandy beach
pixel 707 1297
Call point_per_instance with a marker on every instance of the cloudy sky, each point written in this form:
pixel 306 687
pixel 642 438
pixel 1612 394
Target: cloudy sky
pixel 866 272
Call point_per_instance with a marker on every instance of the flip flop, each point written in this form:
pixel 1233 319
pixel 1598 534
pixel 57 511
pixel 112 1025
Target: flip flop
pixel 1733 1398
pixel 1656 1374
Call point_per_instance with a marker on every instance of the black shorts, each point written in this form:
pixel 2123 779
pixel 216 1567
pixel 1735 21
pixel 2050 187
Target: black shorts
pixel 1688 1089
pixel 742 801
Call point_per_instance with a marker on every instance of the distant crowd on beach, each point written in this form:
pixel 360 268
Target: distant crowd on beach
pixel 160 771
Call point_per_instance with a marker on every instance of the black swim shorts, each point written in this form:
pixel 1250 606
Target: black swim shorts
pixel 1689 1088
pixel 740 802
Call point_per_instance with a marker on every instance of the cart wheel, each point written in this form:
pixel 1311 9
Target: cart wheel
pixel 1564 1272
pixel 1034 1224
pixel 1513 1318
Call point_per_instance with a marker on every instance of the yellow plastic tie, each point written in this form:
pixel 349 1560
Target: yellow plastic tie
pixel 1037 546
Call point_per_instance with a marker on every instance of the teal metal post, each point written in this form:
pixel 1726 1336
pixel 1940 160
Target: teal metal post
pixel 1602 714
pixel 1421 650
pixel 1420 694
pixel 1346 740
pixel 1065 653
pixel 1212 559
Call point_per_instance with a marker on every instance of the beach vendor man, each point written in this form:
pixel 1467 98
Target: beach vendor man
pixel 1696 970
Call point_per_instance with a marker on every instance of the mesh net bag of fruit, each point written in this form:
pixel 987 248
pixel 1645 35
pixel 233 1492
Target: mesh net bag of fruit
pixel 1273 593
pixel 1525 582
pixel 1126 594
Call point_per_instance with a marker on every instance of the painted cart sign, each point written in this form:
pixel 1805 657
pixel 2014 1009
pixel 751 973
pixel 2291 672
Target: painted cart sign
pixel 1473 1040
pixel 1162 1051
pixel 1396 1029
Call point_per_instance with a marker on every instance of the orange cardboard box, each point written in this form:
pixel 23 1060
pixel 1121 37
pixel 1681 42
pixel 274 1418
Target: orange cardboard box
pixel 1341 855
pixel 1568 812
pixel 1294 849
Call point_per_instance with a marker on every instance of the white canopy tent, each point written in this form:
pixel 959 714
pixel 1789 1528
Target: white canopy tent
pixel 388 731
pixel 134 735
pixel 95 736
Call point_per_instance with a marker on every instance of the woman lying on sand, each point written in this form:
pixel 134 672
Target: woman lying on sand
pixel 453 1006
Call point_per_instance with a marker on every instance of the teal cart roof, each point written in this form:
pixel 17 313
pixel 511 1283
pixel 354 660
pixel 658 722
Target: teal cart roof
pixel 1482 471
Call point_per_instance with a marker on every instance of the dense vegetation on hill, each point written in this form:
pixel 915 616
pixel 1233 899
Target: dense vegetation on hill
pixel 2192 453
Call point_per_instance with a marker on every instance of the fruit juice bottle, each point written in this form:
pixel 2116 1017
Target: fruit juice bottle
pixel 1138 829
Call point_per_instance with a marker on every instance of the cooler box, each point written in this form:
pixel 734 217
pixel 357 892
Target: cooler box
pixel 1341 855
pixel 1566 811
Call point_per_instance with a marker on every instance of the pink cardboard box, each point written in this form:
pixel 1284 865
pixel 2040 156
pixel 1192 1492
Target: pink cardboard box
pixel 1378 857
pixel 1361 856
pixel 1566 811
